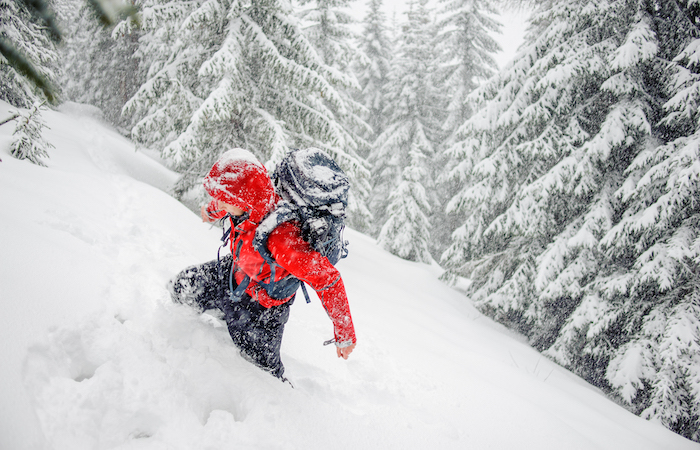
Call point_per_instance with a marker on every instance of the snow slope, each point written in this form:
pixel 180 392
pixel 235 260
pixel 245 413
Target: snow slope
pixel 95 356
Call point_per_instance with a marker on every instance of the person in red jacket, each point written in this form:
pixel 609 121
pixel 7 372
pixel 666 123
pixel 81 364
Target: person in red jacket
pixel 243 195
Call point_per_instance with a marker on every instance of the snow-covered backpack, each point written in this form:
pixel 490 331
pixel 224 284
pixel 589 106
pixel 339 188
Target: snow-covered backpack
pixel 314 192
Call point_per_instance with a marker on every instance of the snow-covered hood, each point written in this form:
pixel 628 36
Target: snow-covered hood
pixel 239 179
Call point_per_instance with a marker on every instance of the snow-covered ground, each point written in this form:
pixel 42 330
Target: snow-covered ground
pixel 95 356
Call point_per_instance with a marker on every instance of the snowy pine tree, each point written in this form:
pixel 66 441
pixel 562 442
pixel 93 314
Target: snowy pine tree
pixel 327 25
pixel 27 140
pixel 28 36
pixel 406 231
pixel 580 172
pixel 658 240
pixel 100 67
pixel 374 71
pixel 402 154
pixel 465 48
pixel 171 51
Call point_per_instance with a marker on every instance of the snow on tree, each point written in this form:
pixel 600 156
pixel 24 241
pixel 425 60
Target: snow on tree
pixel 402 154
pixel 327 25
pixel 466 50
pixel 580 174
pixel 465 60
pixel 374 71
pixel 99 64
pixel 534 160
pixel 658 237
pixel 407 229
pixel 28 142
pixel 172 49
pixel 25 36
pixel 250 78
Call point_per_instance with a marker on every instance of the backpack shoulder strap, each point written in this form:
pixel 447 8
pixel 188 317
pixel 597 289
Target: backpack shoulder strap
pixel 284 212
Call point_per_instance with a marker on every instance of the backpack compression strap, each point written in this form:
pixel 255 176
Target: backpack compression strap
pixel 237 293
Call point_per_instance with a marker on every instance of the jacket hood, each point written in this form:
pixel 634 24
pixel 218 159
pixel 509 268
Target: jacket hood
pixel 239 179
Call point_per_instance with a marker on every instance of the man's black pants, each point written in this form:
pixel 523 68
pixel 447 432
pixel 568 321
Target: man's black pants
pixel 256 330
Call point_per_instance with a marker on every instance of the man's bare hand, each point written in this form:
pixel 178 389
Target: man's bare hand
pixel 344 352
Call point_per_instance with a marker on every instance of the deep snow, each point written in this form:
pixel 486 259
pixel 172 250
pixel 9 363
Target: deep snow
pixel 95 356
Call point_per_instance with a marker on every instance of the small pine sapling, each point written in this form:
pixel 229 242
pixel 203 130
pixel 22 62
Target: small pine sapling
pixel 28 142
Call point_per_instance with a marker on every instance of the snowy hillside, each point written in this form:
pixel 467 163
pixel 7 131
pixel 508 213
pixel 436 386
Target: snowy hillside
pixel 95 356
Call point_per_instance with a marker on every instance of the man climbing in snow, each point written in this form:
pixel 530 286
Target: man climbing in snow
pixel 255 292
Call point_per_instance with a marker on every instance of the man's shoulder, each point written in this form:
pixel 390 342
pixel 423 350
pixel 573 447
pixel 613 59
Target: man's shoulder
pixel 285 232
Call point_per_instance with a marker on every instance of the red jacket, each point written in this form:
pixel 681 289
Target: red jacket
pixel 240 180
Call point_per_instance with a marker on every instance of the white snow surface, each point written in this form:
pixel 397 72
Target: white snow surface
pixel 95 355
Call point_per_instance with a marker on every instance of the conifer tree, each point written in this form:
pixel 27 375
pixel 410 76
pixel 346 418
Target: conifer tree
pixel 101 67
pixel 581 204
pixel 28 38
pixel 374 71
pixel 657 244
pixel 406 231
pixel 465 60
pixel 402 153
pixel 327 25
pixel 28 142
pixel 171 51
pixel 466 48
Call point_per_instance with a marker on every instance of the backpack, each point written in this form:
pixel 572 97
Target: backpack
pixel 313 191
